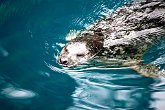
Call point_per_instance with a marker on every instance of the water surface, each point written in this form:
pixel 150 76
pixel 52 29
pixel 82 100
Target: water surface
pixel 32 33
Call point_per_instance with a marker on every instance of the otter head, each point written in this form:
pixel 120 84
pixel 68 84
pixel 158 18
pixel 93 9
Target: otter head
pixel 80 49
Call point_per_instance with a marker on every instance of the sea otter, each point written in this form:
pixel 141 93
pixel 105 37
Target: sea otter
pixel 124 34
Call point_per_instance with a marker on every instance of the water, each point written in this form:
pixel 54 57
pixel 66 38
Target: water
pixel 32 33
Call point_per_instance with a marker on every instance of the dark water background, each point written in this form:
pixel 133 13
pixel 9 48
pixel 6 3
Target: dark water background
pixel 32 33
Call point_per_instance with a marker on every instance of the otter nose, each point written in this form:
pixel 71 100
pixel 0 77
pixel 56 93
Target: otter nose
pixel 63 61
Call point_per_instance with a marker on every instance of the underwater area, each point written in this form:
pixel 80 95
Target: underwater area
pixel 32 34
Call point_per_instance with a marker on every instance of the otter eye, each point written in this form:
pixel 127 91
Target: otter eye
pixel 80 55
pixel 66 50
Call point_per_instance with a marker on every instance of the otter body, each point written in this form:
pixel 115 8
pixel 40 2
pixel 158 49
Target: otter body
pixel 130 30
pixel 124 34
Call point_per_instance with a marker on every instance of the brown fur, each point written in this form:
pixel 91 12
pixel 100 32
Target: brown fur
pixel 94 42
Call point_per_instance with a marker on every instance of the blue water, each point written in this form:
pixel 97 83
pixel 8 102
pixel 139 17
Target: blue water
pixel 32 33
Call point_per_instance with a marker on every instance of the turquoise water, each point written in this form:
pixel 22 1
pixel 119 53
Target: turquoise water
pixel 32 33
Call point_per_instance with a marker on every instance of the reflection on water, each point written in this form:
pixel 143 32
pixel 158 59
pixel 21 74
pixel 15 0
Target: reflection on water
pixel 32 35
pixel 17 93
pixel 113 94
pixel 4 53
pixel 116 89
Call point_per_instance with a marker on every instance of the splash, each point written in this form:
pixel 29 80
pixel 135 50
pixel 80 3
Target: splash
pixel 72 34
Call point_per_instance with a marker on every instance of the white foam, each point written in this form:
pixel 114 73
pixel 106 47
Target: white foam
pixel 72 35
pixel 160 60
pixel 60 44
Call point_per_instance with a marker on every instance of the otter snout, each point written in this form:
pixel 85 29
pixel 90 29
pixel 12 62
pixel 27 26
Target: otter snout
pixel 63 61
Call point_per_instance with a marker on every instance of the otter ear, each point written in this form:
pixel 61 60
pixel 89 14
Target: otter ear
pixel 72 35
